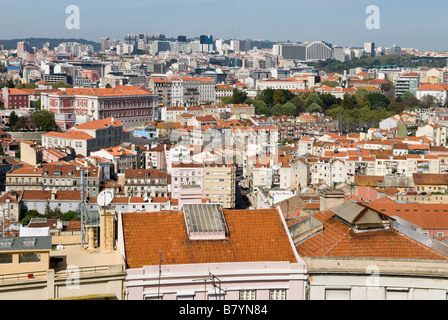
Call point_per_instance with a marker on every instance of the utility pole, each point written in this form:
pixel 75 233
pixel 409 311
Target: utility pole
pixel 82 207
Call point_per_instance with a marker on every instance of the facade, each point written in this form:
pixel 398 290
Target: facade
pixel 319 50
pixel 438 91
pixel 15 98
pixel 80 141
pixel 145 183
pixel 219 184
pixel 120 157
pixel 129 104
pixel 407 82
pixel 186 174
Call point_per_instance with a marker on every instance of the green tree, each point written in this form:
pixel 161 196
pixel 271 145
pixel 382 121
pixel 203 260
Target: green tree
pixel 267 96
pixel 239 96
pixel 61 84
pixel 13 119
pixel 377 100
pixel 44 120
pixel 314 107
pixel 312 98
pixel 279 97
pixel 70 216
pixel 289 109
pixel 227 100
pixel 361 97
pixel 38 104
pixel 277 110
pixel 20 124
pixel 261 108
pixel 28 216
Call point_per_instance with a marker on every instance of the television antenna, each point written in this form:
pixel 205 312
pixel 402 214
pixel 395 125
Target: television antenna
pixel 105 197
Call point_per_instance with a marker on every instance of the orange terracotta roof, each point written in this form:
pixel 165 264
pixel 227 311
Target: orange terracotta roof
pixel 73 134
pixel 255 235
pixel 338 239
pixel 99 124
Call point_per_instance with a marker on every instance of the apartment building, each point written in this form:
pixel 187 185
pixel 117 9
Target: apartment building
pixel 434 132
pixel 106 132
pixel 186 174
pixel 145 183
pixel 407 82
pixel 219 184
pixel 25 178
pixel 83 143
pixel 121 158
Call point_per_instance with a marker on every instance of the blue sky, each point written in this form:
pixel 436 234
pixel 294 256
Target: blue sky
pixel 417 24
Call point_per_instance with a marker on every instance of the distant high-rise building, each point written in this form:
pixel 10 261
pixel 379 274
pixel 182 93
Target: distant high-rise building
pixel 319 50
pixel 160 46
pixel 395 50
pixel 206 39
pixel 134 39
pixel 182 38
pixel 22 47
pixel 240 45
pixel 369 49
pixel 340 54
pixel 206 43
pixel 291 51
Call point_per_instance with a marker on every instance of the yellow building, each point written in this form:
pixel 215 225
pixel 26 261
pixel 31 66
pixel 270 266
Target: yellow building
pixel 219 184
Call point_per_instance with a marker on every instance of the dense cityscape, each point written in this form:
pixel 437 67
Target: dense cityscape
pixel 159 167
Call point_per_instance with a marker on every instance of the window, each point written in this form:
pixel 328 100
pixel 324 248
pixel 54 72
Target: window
pixel 29 257
pixel 277 294
pixel 397 293
pixel 5 258
pixel 439 234
pixel 185 297
pixel 337 294
pixel 216 297
pixel 247 295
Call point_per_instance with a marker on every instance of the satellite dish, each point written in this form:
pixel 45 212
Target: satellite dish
pixel 105 198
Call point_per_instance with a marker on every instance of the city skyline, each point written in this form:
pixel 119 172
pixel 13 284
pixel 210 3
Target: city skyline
pixel 339 23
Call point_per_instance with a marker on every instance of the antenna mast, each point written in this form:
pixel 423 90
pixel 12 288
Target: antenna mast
pixel 160 274
pixel 82 208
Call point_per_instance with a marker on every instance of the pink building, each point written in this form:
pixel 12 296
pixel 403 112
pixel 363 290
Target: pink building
pixel 92 75
pixel 177 255
pixel 130 104
pixel 156 157
pixel 186 174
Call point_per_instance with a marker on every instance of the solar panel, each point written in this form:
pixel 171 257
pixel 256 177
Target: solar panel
pixel 6 243
pixel 205 219
pixel 29 242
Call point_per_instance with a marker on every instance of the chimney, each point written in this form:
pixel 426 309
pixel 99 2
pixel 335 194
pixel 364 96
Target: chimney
pixel 330 198
pixel 53 194
pixel 107 230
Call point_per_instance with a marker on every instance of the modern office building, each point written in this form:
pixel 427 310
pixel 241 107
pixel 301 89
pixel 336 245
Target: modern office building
pixel 369 49
pixel 319 50
pixel 290 51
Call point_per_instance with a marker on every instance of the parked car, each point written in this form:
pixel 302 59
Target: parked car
pixel 412 193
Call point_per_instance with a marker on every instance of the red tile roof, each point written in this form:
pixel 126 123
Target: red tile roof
pixel 255 235
pixel 340 240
